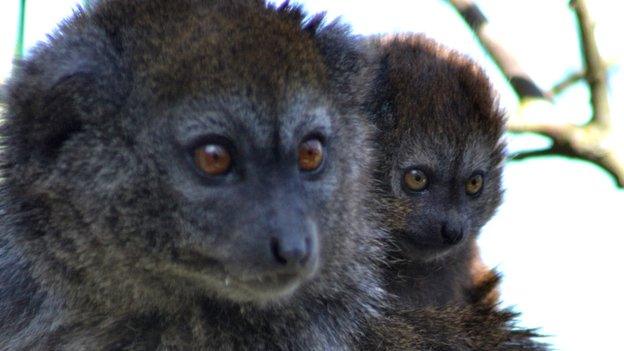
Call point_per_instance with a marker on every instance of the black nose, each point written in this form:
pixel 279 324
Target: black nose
pixel 451 234
pixel 291 252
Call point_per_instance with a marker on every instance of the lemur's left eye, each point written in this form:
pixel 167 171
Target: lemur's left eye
pixel 474 184
pixel 310 155
pixel 415 179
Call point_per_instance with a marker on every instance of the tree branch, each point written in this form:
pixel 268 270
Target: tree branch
pixel 591 143
pixel 520 81
pixel 596 72
pixel 597 142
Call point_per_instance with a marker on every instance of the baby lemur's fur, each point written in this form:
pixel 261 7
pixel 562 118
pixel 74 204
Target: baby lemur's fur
pixel 193 175
pixel 479 325
pixel 439 172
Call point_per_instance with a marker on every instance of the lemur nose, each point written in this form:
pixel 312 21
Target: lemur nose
pixel 291 253
pixel 451 235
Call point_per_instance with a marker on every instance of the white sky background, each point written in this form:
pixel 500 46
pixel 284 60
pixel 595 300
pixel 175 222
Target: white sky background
pixel 558 238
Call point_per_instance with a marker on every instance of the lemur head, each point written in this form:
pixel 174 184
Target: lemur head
pixel 192 148
pixel 440 145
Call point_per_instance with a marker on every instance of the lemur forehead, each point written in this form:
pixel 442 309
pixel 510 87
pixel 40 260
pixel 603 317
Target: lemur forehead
pixel 216 47
pixel 448 152
pixel 235 115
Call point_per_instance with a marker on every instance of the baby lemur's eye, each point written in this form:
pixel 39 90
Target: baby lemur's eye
pixel 213 159
pixel 310 155
pixel 415 179
pixel 474 185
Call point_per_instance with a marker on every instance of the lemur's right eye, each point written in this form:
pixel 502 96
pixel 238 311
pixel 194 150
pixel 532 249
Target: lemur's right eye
pixel 415 180
pixel 213 159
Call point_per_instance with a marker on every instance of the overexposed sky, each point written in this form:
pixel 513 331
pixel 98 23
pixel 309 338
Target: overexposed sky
pixel 559 235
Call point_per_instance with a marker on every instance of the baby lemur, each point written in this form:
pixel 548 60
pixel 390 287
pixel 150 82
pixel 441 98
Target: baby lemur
pixel 439 170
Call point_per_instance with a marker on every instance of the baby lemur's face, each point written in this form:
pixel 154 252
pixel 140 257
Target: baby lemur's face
pixel 441 147
pixel 442 192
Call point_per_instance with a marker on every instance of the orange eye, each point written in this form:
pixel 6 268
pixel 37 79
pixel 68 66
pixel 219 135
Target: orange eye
pixel 310 155
pixel 213 159
pixel 415 180
pixel 474 184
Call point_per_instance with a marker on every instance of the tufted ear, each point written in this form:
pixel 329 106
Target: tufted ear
pixel 345 55
pixel 478 88
pixel 54 93
pixel 58 116
pixel 348 60
pixel 382 93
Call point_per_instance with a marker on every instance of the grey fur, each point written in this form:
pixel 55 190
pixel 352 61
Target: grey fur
pixel 111 240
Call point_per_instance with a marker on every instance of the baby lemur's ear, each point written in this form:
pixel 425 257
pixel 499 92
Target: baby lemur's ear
pixel 381 96
pixel 484 98
pixel 55 95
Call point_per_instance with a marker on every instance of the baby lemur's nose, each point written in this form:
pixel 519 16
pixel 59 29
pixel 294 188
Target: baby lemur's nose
pixel 293 252
pixel 451 234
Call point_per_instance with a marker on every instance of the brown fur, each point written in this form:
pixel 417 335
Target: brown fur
pixel 436 107
pixel 479 325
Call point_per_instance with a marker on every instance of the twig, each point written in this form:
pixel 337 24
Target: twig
pixel 532 153
pixel 566 83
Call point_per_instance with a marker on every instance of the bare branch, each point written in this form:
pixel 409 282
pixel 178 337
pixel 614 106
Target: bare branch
pixel 597 141
pixel 591 143
pixel 520 81
pixel 566 83
pixel 596 72
pixel 532 153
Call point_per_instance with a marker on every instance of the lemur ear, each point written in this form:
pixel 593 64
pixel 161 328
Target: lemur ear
pixel 348 61
pixel 480 92
pixel 60 115
pixel 55 93
pixel 381 97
